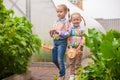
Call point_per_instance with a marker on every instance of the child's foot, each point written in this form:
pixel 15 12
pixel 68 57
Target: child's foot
pixel 72 77
pixel 60 78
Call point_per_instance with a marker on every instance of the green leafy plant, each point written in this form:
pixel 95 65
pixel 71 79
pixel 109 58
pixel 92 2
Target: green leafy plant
pixel 17 42
pixel 106 56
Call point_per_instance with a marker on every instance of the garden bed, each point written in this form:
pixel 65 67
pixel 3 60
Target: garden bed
pixel 24 76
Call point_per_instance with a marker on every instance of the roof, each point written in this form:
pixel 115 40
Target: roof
pixel 90 22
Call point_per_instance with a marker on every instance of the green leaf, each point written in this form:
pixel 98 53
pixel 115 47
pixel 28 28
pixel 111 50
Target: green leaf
pixel 107 49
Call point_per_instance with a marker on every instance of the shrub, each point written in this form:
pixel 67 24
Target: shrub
pixel 17 42
pixel 106 56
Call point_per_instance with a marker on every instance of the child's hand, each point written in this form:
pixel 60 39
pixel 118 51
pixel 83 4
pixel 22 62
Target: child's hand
pixel 52 32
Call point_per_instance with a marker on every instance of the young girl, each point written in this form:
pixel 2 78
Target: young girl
pixel 60 42
pixel 76 40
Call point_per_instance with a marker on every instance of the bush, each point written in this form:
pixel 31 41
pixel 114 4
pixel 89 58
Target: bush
pixel 106 59
pixel 17 43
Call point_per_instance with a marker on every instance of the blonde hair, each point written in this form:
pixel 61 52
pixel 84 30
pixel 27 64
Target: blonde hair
pixel 76 13
pixel 65 8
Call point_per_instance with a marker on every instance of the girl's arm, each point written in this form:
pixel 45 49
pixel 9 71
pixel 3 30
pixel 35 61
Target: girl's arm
pixel 65 33
pixel 60 27
pixel 51 31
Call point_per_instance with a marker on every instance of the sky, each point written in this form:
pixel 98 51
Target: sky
pixel 106 9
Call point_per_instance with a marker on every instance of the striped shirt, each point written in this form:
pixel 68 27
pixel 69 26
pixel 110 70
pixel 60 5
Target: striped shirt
pixel 75 36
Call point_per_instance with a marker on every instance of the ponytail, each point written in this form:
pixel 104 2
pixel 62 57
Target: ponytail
pixel 68 13
pixel 83 21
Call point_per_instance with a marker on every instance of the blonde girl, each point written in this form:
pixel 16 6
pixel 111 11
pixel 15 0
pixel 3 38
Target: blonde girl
pixel 76 40
pixel 60 42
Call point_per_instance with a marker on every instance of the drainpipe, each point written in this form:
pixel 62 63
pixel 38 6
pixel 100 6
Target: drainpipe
pixel 28 9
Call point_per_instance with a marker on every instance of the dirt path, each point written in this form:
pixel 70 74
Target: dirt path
pixel 47 73
pixel 44 73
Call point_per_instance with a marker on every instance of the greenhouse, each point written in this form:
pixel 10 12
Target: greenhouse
pixel 27 48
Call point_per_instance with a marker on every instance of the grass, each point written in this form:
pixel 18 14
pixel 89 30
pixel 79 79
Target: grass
pixel 44 56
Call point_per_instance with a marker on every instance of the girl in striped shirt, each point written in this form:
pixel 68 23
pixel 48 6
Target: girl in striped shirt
pixel 76 40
